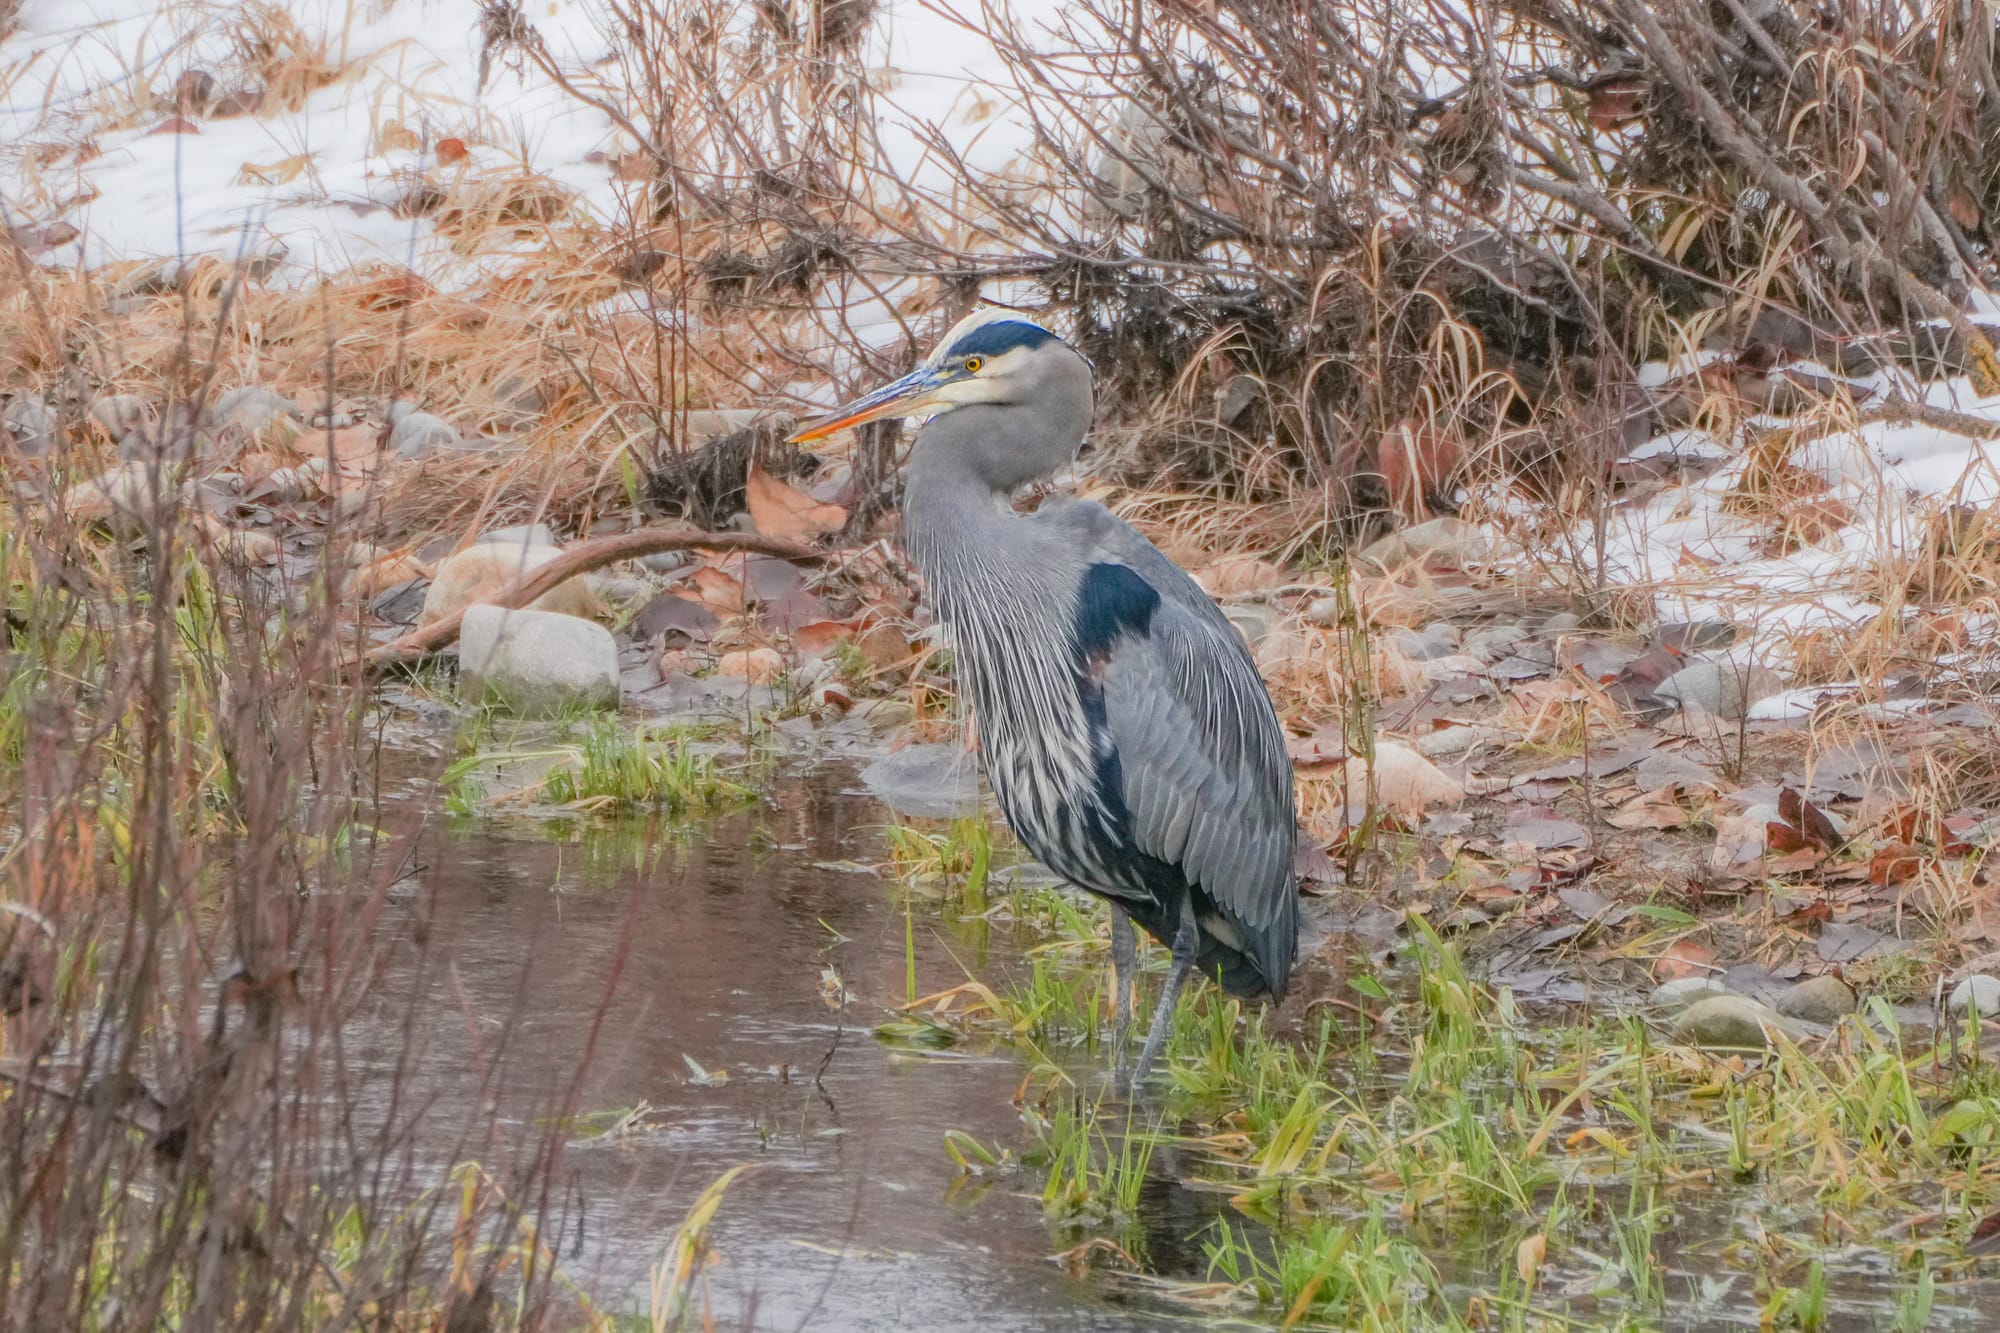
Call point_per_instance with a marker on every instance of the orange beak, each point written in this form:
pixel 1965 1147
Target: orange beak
pixel 899 398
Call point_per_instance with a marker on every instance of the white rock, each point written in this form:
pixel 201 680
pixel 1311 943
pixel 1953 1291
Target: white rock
pixel 1405 781
pixel 536 663
pixel 481 571
pixel 1980 992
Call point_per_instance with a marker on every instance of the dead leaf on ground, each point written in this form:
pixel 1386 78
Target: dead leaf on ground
pixel 1660 808
pixel 820 636
pixel 1894 863
pixel 722 593
pixel 779 510
pixel 1803 825
pixel 1684 958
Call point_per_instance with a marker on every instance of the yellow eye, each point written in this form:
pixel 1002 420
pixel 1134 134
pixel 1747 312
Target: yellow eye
pixel 972 364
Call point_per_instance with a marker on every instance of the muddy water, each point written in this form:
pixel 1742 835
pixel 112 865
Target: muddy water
pixel 696 967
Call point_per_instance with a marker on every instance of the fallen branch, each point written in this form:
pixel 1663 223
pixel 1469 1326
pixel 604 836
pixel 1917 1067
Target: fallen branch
pixel 581 559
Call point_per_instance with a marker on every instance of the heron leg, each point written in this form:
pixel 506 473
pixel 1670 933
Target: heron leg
pixel 1124 962
pixel 1187 942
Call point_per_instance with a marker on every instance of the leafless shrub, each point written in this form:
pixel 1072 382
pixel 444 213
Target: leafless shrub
pixel 207 1117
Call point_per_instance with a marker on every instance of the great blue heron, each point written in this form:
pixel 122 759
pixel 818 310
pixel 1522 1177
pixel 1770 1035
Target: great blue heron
pixel 1125 730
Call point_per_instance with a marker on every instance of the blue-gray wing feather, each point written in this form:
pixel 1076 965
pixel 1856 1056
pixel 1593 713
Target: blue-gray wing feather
pixel 1205 775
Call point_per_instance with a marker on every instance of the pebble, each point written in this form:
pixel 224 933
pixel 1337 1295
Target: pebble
pixel 1981 992
pixel 1822 999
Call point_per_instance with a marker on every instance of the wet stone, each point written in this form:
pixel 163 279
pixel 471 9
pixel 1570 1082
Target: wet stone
pixel 536 663
pixel 1822 999
pixel 1981 992
pixel 1730 1022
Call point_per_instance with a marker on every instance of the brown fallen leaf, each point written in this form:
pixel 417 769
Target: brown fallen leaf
pixel 780 510
pixel 1657 809
pixel 1813 827
pixel 820 636
pixel 723 593
pixel 1894 863
pixel 1684 958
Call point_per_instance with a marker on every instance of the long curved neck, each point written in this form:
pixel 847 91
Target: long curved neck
pixel 956 522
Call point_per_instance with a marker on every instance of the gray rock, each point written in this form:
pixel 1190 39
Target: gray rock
pixel 1491 644
pixel 33 427
pixel 1731 1022
pixel 536 663
pixel 420 433
pixel 1425 645
pixel 253 409
pixel 122 413
pixel 401 603
pixel 936 781
pixel 1724 689
pixel 1818 1000
pixel 1670 997
pixel 1981 992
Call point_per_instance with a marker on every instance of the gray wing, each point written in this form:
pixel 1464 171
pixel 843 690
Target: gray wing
pixel 1206 777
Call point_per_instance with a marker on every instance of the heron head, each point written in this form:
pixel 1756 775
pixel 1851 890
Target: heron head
pixel 994 358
